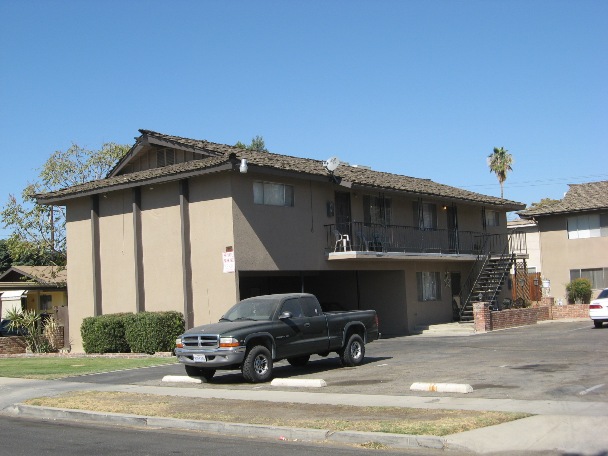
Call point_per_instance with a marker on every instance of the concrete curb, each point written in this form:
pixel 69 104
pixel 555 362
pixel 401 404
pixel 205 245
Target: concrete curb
pixel 181 379
pixel 233 429
pixel 299 382
pixel 442 387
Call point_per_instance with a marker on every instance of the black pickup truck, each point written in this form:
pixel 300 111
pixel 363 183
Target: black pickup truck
pixel 257 331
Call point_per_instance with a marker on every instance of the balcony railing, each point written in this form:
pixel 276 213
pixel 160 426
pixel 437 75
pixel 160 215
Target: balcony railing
pixel 366 237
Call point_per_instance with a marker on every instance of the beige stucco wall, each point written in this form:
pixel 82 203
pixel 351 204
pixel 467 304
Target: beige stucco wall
pixel 560 254
pixel 281 238
pixel 80 267
pixel 116 252
pixel 423 313
pixel 161 247
pixel 214 291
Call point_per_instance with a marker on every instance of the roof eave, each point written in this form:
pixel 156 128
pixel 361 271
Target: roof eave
pixel 62 199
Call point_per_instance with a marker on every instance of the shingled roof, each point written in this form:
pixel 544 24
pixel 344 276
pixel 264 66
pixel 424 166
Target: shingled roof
pixel 591 196
pixel 54 276
pixel 216 159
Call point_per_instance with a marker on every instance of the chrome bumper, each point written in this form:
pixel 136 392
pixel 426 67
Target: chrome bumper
pixel 213 358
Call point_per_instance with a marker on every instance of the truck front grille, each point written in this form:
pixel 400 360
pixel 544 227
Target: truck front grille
pixel 201 341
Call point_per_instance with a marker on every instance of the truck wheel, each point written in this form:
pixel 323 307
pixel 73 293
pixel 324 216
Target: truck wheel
pixel 257 366
pixel 353 352
pixel 298 360
pixel 204 373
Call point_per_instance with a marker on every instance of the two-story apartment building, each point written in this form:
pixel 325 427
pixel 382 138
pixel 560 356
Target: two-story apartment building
pixel 574 236
pixel 193 226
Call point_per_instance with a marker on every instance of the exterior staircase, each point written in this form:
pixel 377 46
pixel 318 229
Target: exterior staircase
pixel 488 284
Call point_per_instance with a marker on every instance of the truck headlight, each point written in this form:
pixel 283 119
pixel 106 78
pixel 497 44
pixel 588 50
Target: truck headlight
pixel 228 342
pixel 178 343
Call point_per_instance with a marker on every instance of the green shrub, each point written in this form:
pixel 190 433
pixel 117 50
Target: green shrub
pixel 144 332
pixel 579 291
pixel 151 332
pixel 104 334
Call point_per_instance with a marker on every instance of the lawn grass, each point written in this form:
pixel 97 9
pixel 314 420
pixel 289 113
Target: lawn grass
pixel 58 367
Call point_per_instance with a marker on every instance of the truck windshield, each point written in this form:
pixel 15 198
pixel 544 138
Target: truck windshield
pixel 250 309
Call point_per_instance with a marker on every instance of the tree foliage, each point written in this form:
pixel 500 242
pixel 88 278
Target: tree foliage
pixel 257 144
pixel 5 256
pixel 38 232
pixel 545 202
pixel 500 162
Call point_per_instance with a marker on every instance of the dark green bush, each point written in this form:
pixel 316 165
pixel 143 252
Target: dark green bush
pixel 151 332
pixel 104 334
pixel 579 291
pixel 144 332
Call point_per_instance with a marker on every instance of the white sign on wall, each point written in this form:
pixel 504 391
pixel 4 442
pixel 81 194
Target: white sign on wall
pixel 228 260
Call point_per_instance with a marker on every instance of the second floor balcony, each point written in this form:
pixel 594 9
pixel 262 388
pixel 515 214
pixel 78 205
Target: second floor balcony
pixel 364 240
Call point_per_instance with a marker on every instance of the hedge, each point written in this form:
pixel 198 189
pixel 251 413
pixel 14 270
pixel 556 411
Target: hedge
pixel 151 332
pixel 104 334
pixel 144 332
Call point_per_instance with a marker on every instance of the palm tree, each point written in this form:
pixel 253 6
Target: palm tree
pixel 500 163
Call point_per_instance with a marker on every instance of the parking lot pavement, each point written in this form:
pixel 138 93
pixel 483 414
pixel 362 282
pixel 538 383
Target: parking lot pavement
pixel 558 361
pixel 555 371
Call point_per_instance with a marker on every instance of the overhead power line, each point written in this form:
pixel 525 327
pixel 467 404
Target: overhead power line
pixel 543 182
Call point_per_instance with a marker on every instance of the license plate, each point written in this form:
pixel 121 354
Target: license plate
pixel 199 358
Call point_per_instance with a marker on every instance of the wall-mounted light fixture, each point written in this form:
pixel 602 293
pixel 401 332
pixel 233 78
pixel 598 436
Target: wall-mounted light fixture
pixel 232 158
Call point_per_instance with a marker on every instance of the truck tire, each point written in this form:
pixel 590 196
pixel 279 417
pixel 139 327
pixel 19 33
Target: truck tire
pixel 257 366
pixel 298 360
pixel 204 373
pixel 353 352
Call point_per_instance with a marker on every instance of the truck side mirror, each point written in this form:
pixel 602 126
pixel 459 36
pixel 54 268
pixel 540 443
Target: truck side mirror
pixel 285 316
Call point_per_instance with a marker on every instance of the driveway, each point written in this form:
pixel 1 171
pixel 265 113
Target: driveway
pixel 565 361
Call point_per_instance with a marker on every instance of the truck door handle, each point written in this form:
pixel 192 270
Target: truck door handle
pixel 307 324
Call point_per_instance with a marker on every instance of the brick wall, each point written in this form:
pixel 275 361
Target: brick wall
pixel 15 344
pixel 569 311
pixel 485 320
pixel 482 316
pixel 12 345
pixel 513 317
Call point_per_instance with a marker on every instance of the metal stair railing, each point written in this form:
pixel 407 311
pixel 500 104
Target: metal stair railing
pixel 505 261
pixel 483 255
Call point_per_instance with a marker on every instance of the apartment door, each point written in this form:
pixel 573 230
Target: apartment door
pixel 343 220
pixel 452 215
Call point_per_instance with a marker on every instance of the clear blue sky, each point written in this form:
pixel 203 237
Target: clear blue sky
pixel 421 88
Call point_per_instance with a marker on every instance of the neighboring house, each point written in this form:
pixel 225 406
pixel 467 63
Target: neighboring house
pixel 530 228
pixel 39 288
pixel 193 226
pixel 526 274
pixel 574 236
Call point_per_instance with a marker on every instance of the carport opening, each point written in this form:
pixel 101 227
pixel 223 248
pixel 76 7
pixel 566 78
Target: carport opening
pixel 383 291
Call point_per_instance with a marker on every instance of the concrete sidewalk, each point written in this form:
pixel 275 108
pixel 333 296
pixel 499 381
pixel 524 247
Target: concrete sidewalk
pixel 558 427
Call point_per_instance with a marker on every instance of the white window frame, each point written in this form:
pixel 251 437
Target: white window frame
pixel 586 226
pixel 597 276
pixel 273 194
